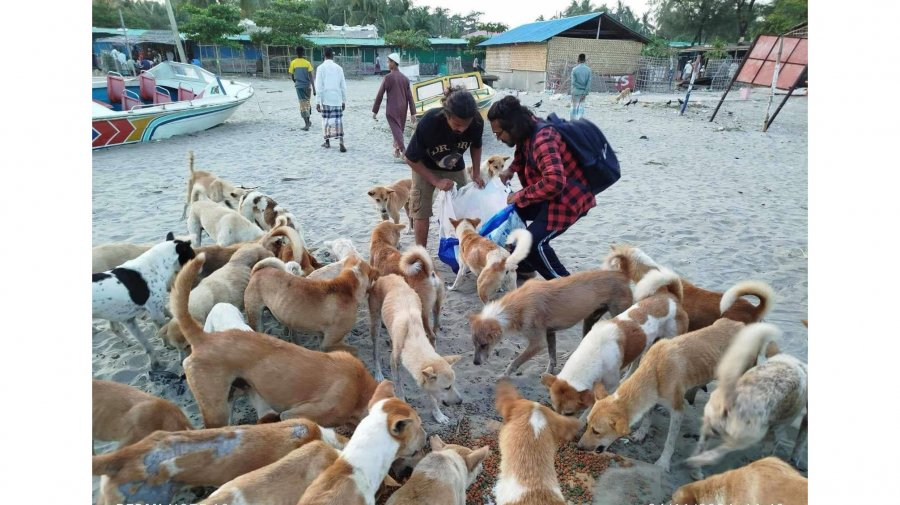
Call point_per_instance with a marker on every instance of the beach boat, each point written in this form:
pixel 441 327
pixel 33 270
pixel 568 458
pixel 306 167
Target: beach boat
pixel 169 99
pixel 428 94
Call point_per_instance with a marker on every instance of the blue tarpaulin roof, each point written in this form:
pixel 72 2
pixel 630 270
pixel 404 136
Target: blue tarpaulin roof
pixel 538 31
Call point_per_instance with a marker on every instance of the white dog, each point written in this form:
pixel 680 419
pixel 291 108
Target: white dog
pixel 343 248
pixel 224 226
pixel 265 211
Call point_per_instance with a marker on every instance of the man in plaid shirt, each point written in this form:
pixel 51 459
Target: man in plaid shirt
pixel 555 191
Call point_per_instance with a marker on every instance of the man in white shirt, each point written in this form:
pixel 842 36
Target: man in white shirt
pixel 688 70
pixel 332 98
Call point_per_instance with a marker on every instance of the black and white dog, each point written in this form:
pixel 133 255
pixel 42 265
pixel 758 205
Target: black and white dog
pixel 123 293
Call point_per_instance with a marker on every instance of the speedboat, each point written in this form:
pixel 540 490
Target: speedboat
pixel 169 99
pixel 428 94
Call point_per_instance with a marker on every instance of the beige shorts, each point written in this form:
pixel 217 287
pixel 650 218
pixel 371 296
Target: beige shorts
pixel 421 198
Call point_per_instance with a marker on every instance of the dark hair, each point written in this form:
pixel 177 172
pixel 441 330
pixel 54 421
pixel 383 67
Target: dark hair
pixel 300 51
pixel 581 58
pixel 460 103
pixel 514 117
pixel 329 53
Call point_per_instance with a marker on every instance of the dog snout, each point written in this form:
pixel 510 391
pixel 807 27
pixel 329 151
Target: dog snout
pixel 600 448
pixel 477 358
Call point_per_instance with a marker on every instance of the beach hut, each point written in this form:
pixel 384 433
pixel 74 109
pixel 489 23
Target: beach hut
pixel 538 56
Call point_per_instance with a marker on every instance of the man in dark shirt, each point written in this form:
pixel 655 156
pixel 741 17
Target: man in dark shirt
pixel 435 154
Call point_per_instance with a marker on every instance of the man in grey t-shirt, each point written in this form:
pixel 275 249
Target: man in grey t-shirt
pixel 581 87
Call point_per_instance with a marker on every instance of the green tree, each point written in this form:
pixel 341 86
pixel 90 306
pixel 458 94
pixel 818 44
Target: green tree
pixel 419 19
pixel 472 48
pixel 288 21
pixel 782 15
pixel 695 20
pixel 144 14
pixel 408 39
pixel 213 24
pixel 493 27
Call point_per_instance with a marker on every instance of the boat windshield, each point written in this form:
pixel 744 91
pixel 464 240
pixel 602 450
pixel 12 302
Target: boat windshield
pixel 469 82
pixel 182 72
pixel 432 90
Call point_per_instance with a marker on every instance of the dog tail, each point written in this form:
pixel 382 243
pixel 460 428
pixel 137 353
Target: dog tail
pixel 656 280
pixel 629 260
pixel 748 347
pixel 187 200
pixel 298 247
pixel 109 463
pixel 269 263
pixel 190 328
pixel 415 260
pixel 523 240
pixel 759 289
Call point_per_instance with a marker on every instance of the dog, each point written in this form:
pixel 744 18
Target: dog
pixel 490 168
pixel 342 248
pixel 389 199
pixel 331 389
pixel 108 256
pixel 264 211
pixel 668 370
pixel 151 471
pixel 390 431
pixel 126 415
pixel 443 476
pixel 749 400
pixel 223 317
pixel 613 344
pixel 327 306
pixel 216 189
pixel 287 244
pixel 537 309
pixel 138 285
pixel 225 226
pixel 623 95
pixel 701 305
pixel 491 263
pixel 529 438
pixel 415 266
pixel 768 480
pixel 394 301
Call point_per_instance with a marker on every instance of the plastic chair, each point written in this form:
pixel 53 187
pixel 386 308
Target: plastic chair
pixel 161 95
pixel 115 86
pixel 148 86
pixel 130 100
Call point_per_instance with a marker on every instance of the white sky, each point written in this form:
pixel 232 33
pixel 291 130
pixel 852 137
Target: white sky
pixel 517 12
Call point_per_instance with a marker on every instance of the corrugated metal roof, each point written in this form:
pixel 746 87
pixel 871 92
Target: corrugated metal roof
pixel 341 41
pixel 441 41
pixel 539 31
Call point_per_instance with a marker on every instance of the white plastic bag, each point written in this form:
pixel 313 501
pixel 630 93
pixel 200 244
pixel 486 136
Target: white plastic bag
pixel 470 201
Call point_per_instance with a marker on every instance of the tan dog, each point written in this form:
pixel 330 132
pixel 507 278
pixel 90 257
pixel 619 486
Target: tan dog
pixel 126 415
pixel 312 305
pixel 390 431
pixel 150 471
pixel 224 226
pixel 669 370
pixel 414 265
pixel 625 94
pixel 394 301
pixel 331 389
pixel 108 256
pixel 491 263
pixel 529 439
pixel 537 309
pixel 443 476
pixel 389 200
pixel 613 344
pixel 750 399
pixel 490 167
pixel 216 189
pixel 295 248
pixel 768 480
pixel 701 305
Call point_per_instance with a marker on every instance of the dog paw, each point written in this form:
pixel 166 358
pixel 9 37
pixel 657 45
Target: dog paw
pixel 665 465
pixel 440 417
pixel 638 436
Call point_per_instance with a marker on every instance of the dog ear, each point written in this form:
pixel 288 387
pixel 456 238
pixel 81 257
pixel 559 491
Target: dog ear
pixel 384 390
pixel 565 428
pixel 455 222
pixel 399 424
pixel 548 379
pixel 399 227
pixel 505 397
pixel 475 222
pixel 599 391
pixel 620 424
pixel 436 443
pixel 390 482
pixel 170 236
pixel 505 158
pixel 216 191
pixel 391 191
pixel 429 374
pixel 452 359
pixel 585 398
pixel 477 456
pixel 371 193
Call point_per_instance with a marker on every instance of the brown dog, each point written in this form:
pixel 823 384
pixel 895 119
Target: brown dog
pixel 151 470
pixel 390 431
pixel 331 389
pixel 768 480
pixel 389 200
pixel 490 167
pixel 126 415
pixel 537 309
pixel 492 264
pixel 529 439
pixel 216 189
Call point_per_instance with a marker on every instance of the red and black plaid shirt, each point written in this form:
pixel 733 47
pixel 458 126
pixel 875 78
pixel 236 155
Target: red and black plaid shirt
pixel 554 177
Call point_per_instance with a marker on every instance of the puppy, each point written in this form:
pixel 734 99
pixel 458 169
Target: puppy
pixel 537 309
pixel 126 415
pixel 139 285
pixel 108 256
pixel 490 167
pixel 327 306
pixel 668 370
pixel 331 389
pixel 212 187
pixel 701 305
pixel 389 199
pixel 749 400
pixel 491 263
pixel 394 301
pixel 414 265
pixel 151 471
pixel 768 480
pixel 390 431
pixel 342 248
pixel 443 476
pixel 529 439
pixel 613 344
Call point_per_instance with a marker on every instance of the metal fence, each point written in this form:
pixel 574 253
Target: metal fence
pixel 454 65
pixel 353 65
pixel 230 60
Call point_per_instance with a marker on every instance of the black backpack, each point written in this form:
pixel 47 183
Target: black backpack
pixel 594 154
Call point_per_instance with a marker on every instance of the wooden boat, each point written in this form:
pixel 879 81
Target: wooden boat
pixel 427 95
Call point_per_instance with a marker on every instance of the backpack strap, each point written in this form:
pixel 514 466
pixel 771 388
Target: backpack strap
pixel 541 124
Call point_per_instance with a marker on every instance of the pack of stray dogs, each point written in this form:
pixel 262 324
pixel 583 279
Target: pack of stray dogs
pixel 649 338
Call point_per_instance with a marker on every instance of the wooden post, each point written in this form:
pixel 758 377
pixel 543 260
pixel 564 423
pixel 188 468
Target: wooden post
pixel 789 93
pixel 175 33
pixel 774 81
pixel 694 73
pixel 734 78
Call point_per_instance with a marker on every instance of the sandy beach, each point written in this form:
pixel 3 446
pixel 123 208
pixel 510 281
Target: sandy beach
pixel 717 202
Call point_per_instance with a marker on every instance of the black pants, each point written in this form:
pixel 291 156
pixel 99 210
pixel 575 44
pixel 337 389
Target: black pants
pixel 542 258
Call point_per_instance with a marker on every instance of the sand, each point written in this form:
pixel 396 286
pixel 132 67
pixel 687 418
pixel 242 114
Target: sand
pixel 717 202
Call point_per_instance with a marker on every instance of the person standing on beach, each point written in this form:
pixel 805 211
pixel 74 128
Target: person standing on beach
pixel 435 154
pixel 377 65
pixel 332 98
pixel 399 98
pixel 301 72
pixel 581 87
pixel 555 191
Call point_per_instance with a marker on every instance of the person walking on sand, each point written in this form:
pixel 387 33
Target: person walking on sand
pixel 332 98
pixel 301 72
pixel 399 98
pixel 581 87
pixel 555 190
pixel 435 154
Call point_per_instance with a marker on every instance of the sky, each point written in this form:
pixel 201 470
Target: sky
pixel 517 12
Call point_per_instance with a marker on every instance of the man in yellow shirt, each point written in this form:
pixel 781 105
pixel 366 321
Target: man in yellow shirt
pixel 301 71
